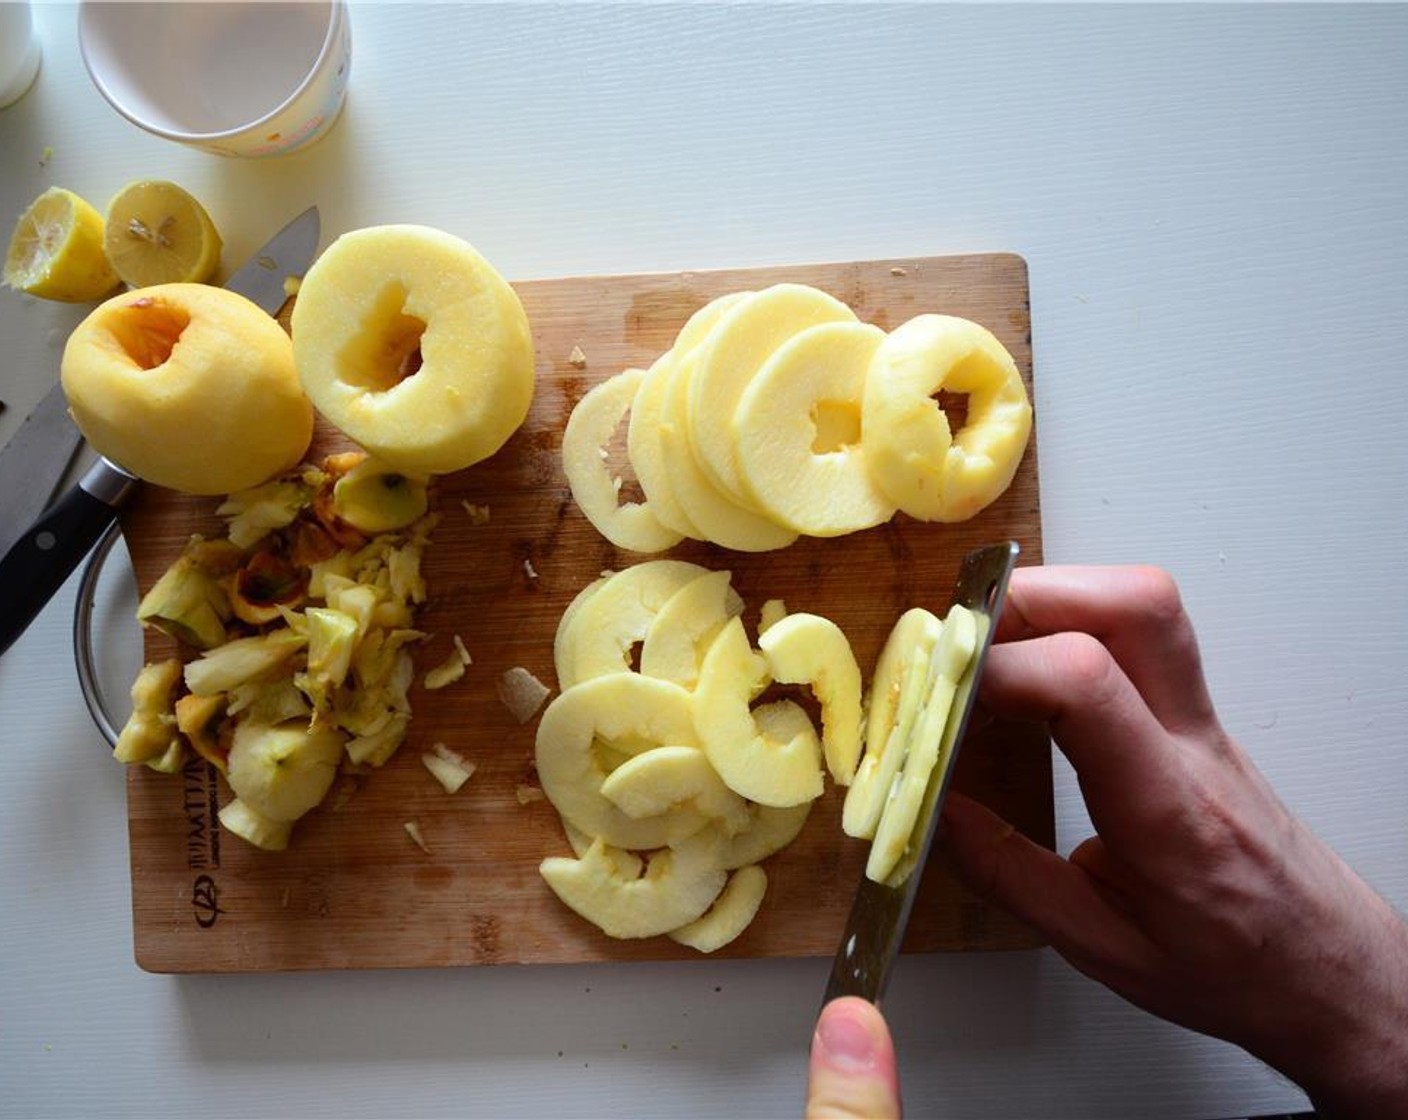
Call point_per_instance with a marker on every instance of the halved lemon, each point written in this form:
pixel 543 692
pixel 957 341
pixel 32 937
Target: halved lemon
pixel 157 233
pixel 56 251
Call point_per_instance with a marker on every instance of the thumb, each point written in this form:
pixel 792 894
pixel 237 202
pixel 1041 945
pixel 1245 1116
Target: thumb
pixel 852 1072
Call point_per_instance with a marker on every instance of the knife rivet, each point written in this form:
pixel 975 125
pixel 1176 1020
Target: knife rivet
pixel 45 541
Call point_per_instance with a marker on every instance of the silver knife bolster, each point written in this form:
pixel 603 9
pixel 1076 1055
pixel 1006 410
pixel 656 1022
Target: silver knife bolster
pixel 107 482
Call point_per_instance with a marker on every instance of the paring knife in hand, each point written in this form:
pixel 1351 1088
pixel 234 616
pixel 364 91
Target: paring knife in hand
pixel 44 555
pixel 881 911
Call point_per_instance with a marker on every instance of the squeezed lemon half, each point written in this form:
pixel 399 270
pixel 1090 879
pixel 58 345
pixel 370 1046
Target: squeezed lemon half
pixel 56 251
pixel 157 233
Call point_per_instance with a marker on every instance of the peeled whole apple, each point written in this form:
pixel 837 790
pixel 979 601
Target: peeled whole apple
pixel 187 386
pixel 411 344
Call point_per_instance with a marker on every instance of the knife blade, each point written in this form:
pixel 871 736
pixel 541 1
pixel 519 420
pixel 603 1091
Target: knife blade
pixel 44 555
pixel 880 914
pixel 33 463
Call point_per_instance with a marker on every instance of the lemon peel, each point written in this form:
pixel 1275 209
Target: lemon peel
pixel 56 250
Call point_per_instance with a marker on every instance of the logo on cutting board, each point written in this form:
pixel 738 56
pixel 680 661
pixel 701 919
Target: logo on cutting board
pixel 200 803
pixel 205 901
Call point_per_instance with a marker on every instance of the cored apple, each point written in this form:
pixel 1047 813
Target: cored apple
pixel 187 386
pixel 410 342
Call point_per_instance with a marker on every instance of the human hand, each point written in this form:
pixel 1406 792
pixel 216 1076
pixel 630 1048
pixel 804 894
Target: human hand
pixel 1201 898
pixel 852 1071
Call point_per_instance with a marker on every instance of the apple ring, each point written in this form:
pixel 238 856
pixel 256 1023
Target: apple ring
pixel 628 525
pixel 590 729
pixel 608 620
pixel 928 471
pixel 411 344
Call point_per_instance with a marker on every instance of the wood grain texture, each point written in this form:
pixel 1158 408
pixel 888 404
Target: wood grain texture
pixel 354 892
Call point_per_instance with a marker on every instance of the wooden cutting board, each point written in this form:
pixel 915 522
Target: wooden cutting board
pixel 353 891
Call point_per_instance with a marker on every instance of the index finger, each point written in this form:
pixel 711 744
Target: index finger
pixel 1136 613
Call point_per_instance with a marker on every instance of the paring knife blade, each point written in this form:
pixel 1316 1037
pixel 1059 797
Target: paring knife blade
pixel 43 556
pixel 880 913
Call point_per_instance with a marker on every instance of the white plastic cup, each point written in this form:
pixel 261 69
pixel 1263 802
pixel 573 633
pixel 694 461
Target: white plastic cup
pixel 236 79
pixel 19 51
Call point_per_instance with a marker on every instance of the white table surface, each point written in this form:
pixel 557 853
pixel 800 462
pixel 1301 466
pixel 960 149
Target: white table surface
pixel 1214 206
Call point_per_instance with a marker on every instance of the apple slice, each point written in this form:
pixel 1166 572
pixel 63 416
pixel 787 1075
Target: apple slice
pixel 731 913
pixel 896 696
pixel 719 517
pixel 648 410
pixel 628 864
pixel 947 664
pixel 730 356
pixel 559 640
pixel 771 755
pixel 647 452
pixel 808 649
pixel 679 884
pixel 589 431
pixel 595 726
pixel 770 829
pixel 663 779
pixel 926 469
pixel 597 639
pixel 796 433
pixel 686 625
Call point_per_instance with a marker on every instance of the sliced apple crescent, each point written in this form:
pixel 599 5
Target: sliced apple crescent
pixel 927 470
pixel 929 745
pixel 589 431
pixel 797 433
pixel 896 696
pixel 808 649
pixel 606 624
pixel 771 755
pixel 667 778
pixel 629 865
pixel 679 884
pixel 595 726
pixel 770 829
pixel 681 633
pixel 731 913
pixel 731 355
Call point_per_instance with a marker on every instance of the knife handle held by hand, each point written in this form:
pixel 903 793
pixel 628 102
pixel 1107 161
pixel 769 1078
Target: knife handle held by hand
pixel 47 553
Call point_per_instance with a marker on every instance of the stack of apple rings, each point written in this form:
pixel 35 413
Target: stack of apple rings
pixel 777 413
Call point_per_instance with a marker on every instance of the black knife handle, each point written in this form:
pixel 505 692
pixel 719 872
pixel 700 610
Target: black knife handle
pixel 47 553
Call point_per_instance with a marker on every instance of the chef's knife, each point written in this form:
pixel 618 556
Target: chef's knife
pixel 33 464
pixel 881 911
pixel 45 554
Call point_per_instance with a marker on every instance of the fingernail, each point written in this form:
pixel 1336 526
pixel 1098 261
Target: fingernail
pixel 846 1043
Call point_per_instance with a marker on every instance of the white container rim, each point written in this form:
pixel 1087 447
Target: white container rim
pixel 337 13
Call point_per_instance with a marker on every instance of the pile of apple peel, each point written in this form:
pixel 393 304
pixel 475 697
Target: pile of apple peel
pixel 302 619
pixel 675 776
pixel 777 413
